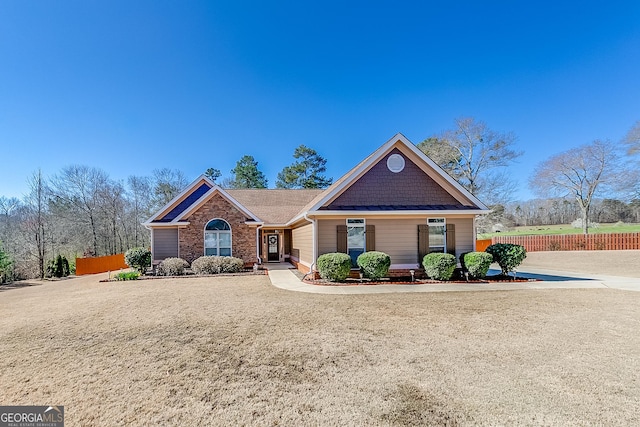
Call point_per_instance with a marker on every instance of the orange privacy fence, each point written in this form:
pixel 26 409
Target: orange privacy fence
pixel 100 264
pixel 569 242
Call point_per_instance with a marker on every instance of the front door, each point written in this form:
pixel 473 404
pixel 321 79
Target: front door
pixel 273 248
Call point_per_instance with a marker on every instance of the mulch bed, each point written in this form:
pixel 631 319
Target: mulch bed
pixel 407 281
pixel 188 274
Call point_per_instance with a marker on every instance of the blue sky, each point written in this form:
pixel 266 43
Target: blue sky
pixel 133 86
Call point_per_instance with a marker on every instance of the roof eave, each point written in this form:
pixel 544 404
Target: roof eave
pixel 165 224
pixel 422 212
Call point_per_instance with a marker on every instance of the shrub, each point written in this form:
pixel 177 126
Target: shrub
pixel 217 264
pixel 172 267
pixel 138 258
pixel 127 275
pixel 334 267
pixel 439 266
pixel 58 267
pixel 507 255
pixel 476 263
pixel 374 265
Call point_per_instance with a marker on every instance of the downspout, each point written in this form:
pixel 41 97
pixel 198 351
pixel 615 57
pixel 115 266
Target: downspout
pixel 258 243
pixel 314 240
pixel 475 233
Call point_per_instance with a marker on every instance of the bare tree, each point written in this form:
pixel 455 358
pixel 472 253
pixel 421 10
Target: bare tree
pixel 167 183
pixel 580 172
pixel 140 204
pixel 10 238
pixel 632 139
pixel 77 192
pixel 471 153
pixel 36 220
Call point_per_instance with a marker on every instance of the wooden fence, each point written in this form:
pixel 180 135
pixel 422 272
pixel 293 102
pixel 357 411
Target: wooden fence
pixel 100 264
pixel 568 242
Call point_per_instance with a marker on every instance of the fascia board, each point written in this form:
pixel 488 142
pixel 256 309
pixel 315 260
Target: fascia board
pixel 381 152
pixel 206 196
pixel 189 188
pixel 373 158
pixel 413 148
pixel 165 224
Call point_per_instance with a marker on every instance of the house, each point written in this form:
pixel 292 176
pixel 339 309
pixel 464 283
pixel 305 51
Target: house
pixel 397 200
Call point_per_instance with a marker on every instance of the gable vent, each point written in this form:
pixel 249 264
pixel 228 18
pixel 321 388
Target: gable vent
pixel 395 163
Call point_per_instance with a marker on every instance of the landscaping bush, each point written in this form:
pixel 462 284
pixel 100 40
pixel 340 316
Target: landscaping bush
pixel 334 267
pixel 172 267
pixel 476 263
pixel 138 258
pixel 58 267
pixel 374 265
pixel 439 266
pixel 507 255
pixel 217 264
pixel 127 275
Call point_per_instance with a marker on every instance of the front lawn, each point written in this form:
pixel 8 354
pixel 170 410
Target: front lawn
pixel 236 351
pixel 527 230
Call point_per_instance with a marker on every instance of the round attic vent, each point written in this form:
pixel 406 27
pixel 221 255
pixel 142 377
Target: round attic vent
pixel 395 163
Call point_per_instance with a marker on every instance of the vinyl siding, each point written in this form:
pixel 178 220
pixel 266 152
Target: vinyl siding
pixel 302 243
pixel 165 243
pixel 464 234
pixel 396 237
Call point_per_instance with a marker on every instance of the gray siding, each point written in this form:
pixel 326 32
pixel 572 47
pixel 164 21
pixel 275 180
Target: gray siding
pixel 165 243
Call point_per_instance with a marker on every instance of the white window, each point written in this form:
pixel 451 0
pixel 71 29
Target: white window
pixel 217 238
pixel 355 239
pixel 437 234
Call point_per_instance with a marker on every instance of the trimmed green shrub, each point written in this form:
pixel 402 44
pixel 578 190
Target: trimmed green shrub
pixel 476 263
pixel 58 267
pixel 439 266
pixel 334 267
pixel 172 267
pixel 127 275
pixel 138 258
pixel 507 255
pixel 217 264
pixel 374 265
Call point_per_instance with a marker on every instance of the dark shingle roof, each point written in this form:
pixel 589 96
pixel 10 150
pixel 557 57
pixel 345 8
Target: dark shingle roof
pixel 186 203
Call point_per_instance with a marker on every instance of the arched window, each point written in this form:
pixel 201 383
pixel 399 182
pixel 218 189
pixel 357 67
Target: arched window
pixel 217 238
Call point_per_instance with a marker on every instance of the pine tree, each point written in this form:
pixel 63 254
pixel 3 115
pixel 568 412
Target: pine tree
pixel 308 172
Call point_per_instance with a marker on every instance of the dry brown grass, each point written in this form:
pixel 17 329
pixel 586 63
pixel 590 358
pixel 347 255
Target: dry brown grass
pixel 229 351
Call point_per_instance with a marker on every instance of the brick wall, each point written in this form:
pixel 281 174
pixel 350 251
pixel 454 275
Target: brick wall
pixel 380 186
pixel 243 237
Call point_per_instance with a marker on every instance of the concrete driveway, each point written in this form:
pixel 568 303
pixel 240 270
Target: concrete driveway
pixel 282 276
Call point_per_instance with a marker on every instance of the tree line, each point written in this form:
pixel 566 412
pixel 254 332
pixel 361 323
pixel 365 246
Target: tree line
pixel 593 179
pixel 81 211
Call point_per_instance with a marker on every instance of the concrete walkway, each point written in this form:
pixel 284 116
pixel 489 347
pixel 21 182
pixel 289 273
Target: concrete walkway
pixel 282 277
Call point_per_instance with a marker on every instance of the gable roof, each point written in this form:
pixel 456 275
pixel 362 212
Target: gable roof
pixel 274 206
pixel 399 141
pixel 190 199
pixel 285 206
